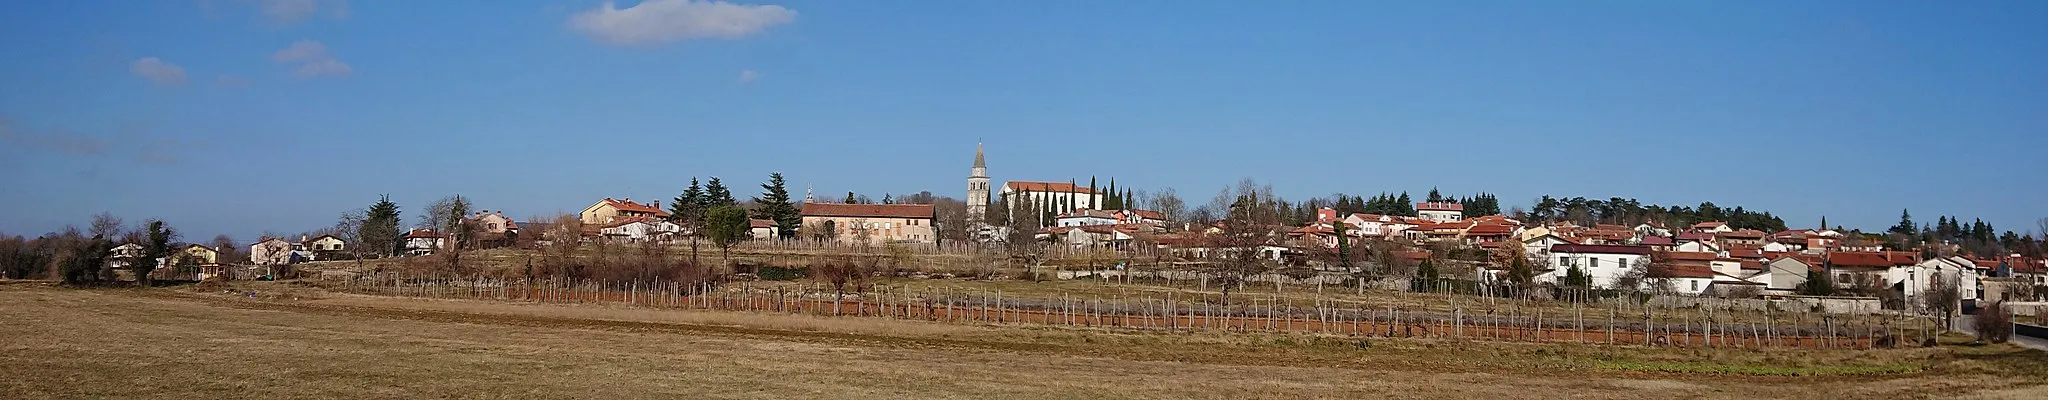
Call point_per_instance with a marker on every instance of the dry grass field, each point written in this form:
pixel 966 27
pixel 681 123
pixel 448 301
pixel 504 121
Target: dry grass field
pixel 295 342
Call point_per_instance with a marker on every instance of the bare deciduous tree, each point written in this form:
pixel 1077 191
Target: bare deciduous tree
pixel 1168 203
pixel 106 226
pixel 1254 218
pixel 1943 297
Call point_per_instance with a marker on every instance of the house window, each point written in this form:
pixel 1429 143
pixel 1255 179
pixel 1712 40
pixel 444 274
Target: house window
pixel 1695 286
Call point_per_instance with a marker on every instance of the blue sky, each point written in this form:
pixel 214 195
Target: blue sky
pixel 241 117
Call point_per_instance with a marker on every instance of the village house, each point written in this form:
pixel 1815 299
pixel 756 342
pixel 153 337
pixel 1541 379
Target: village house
pixel 1602 263
pixel 493 229
pixel 1375 225
pixel 1087 217
pixel 1440 211
pixel 876 223
pixel 122 256
pixel 1852 270
pixel 763 229
pixel 1744 237
pixel 608 211
pixel 1914 281
pixel 324 244
pixel 640 229
pixel 1684 279
pixel 423 241
pixel 1783 274
pixel 275 251
pixel 1712 227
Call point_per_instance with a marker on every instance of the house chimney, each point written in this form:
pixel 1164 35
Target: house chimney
pixel 657 204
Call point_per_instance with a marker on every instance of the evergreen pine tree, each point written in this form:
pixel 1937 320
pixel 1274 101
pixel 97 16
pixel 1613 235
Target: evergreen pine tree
pixel 380 227
pixel 1434 196
pixel 689 205
pixel 850 199
pixel 775 205
pixel 716 194
pixel 1403 206
pixel 1905 226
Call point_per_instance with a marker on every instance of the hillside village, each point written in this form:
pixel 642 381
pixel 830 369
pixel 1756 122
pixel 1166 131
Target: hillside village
pixel 1613 245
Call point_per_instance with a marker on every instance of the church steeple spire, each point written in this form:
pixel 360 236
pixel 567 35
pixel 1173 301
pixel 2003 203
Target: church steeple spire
pixel 977 188
pixel 979 161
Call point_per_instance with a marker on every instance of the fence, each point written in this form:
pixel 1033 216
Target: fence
pixel 967 249
pixel 1170 312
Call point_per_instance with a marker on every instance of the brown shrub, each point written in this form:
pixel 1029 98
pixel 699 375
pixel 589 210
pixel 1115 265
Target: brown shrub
pixel 1994 323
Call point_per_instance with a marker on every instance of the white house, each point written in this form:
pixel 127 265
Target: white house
pixel 1602 263
pixel 640 230
pixel 763 229
pixel 1785 273
pixel 424 241
pixel 1915 280
pixel 1539 246
pixel 1440 211
pixel 1712 227
pixel 1092 217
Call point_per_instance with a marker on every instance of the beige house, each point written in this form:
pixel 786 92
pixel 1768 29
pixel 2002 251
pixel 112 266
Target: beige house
pixel 324 243
pixel 608 211
pixel 762 229
pixel 876 223
pixel 199 254
pixel 272 251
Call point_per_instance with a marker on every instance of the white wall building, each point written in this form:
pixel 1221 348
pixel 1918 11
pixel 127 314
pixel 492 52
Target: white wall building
pixel 1440 211
pixel 1602 263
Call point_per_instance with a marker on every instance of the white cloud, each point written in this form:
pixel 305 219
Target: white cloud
pixel 302 50
pixel 158 71
pixel 662 21
pixel 328 67
pixel 312 59
pixel 748 76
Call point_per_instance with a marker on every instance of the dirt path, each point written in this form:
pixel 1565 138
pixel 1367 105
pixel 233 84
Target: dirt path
pixel 124 344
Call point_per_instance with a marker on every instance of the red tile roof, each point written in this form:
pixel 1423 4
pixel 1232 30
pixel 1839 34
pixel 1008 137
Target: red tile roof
pixel 761 223
pixel 1681 271
pixel 1744 234
pixel 630 206
pixel 1690 256
pixel 1752 264
pixel 422 234
pixel 1060 187
pixel 867 210
pixel 1746 253
pixel 1599 248
pixel 1656 241
pixel 1489 230
pixel 1902 257
pixel 1695 236
pixel 1858 259
pixel 1709 225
